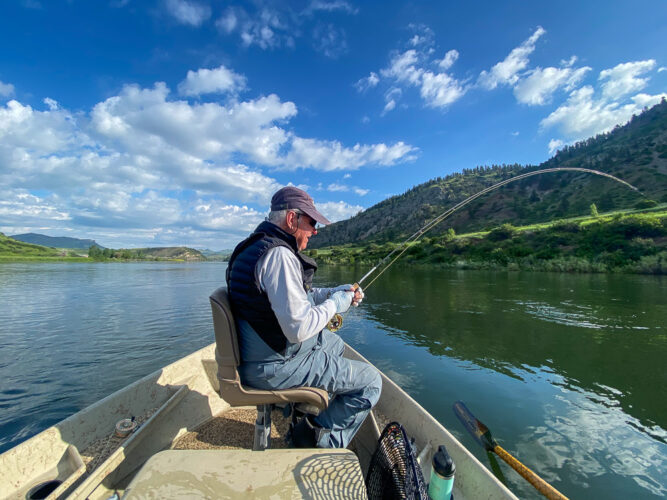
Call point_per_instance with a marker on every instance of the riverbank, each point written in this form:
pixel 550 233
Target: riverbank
pixel 616 243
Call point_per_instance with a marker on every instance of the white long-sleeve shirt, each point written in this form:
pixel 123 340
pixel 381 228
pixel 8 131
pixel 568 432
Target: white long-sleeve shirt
pixel 279 275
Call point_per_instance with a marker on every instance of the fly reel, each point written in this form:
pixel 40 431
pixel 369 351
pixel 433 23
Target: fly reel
pixel 335 323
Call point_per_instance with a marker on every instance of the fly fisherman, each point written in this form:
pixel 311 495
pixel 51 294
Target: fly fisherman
pixel 280 319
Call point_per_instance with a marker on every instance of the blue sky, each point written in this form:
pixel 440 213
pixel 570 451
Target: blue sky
pixel 171 122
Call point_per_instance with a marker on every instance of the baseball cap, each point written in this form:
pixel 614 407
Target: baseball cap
pixel 292 197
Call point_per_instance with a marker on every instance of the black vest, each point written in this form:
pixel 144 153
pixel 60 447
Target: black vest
pixel 247 299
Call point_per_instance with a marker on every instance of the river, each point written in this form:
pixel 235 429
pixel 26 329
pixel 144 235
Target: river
pixel 568 371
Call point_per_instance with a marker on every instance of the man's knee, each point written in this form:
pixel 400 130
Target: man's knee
pixel 373 389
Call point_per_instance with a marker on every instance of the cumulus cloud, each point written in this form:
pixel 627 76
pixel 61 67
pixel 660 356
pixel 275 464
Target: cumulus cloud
pixel 274 25
pixel 162 168
pixel 335 187
pixel 584 114
pixel 6 89
pixel 540 84
pixel 332 155
pixel 506 72
pixel 367 83
pixel 211 81
pixel 186 12
pixel 623 79
pixel 329 40
pixel 336 211
pixel 555 145
pixel 416 67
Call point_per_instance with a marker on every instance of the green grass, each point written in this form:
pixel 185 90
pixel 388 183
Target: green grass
pixel 633 241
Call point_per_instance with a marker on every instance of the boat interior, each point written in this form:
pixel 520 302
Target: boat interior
pixel 192 429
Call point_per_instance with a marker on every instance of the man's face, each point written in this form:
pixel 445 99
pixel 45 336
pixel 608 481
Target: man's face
pixel 305 228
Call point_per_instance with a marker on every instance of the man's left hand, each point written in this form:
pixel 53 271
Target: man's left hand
pixel 358 293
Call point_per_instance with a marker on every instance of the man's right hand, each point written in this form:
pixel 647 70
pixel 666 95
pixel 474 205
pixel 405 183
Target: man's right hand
pixel 342 300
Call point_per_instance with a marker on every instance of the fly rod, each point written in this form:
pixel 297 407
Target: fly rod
pixel 402 248
pixel 483 436
pixel 385 263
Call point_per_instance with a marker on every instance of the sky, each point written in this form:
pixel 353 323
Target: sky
pixel 172 122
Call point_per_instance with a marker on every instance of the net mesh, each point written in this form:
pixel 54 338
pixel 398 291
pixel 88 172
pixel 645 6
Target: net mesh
pixel 394 472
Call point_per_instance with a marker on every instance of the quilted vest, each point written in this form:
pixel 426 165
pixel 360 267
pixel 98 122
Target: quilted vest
pixel 247 299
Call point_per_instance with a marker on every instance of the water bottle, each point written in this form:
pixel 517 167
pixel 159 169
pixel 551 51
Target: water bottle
pixel 442 475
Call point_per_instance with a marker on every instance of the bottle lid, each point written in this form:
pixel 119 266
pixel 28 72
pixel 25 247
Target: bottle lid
pixel 443 463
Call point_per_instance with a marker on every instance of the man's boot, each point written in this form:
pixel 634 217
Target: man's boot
pixel 306 434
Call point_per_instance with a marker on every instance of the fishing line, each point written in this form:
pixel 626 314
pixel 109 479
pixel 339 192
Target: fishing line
pixel 431 224
pixel 337 321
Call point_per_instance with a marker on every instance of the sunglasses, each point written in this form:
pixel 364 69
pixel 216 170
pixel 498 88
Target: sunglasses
pixel 311 222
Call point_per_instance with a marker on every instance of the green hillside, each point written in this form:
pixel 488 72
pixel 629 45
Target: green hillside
pixel 619 242
pixel 55 241
pixel 636 153
pixel 11 249
pixel 157 253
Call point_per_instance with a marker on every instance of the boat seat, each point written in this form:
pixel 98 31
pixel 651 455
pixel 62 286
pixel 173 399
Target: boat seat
pixel 245 474
pixel 232 390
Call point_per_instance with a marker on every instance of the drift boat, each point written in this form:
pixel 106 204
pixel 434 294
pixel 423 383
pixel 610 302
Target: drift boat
pixel 172 435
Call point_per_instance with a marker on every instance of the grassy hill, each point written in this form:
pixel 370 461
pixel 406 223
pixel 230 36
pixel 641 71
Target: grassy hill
pixel 55 241
pixel 157 253
pixel 635 152
pixel 11 249
pixel 617 242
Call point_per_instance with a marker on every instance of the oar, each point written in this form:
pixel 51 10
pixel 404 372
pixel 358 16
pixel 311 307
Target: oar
pixel 483 436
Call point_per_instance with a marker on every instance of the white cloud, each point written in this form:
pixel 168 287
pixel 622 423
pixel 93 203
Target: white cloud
pixel 186 12
pixel 279 24
pixel 448 61
pixel 367 83
pixel 331 6
pixel 540 84
pixel 165 170
pixel 334 188
pixel 411 68
pixel 661 69
pixel 336 211
pixel 622 79
pixel 6 89
pixel 337 187
pixel 584 115
pixel 515 134
pixel 555 145
pixel 440 90
pixel 506 72
pixel 390 98
pixel 332 155
pixel 329 40
pixel 209 81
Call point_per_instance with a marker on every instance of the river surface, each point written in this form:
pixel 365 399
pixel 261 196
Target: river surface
pixel 568 371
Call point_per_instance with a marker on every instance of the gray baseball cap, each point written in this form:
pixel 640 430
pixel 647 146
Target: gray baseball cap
pixel 291 197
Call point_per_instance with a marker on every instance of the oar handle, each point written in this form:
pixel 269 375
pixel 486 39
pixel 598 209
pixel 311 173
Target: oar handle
pixel 540 484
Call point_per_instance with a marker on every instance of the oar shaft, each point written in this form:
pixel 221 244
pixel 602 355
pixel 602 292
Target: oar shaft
pixel 540 484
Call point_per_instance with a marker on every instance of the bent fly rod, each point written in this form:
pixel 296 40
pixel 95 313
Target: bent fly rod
pixel 386 263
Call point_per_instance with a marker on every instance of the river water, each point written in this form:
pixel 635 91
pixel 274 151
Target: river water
pixel 568 371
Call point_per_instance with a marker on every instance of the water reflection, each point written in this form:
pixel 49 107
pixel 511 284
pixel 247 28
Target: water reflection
pixel 569 368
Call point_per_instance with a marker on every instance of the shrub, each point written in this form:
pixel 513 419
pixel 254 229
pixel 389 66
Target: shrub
pixel 502 232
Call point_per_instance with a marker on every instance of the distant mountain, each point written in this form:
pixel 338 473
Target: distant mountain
pixel 55 241
pixel 219 255
pixel 635 152
pixel 9 247
pixel 176 253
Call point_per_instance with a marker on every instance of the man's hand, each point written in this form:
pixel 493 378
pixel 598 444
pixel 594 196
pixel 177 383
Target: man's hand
pixel 358 296
pixel 358 293
pixel 342 299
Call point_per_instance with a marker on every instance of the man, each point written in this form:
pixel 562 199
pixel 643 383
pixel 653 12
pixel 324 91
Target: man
pixel 280 318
